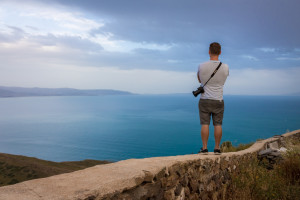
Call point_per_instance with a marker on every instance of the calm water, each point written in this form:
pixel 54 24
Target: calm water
pixel 122 127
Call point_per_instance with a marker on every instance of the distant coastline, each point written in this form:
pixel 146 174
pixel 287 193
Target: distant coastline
pixel 6 92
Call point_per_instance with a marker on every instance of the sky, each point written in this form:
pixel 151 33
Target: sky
pixel 149 46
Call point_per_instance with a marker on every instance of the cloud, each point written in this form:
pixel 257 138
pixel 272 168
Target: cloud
pixel 112 45
pixel 10 34
pixel 140 37
pixel 263 82
pixel 36 19
pixel 267 50
pixel 249 57
pixel 147 42
pixel 72 42
pixel 52 75
pixel 137 81
pixel 270 23
pixel 288 58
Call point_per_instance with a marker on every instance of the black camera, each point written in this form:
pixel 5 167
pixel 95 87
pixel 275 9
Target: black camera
pixel 198 91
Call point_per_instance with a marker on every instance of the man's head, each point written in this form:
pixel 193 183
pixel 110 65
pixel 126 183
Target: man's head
pixel 215 49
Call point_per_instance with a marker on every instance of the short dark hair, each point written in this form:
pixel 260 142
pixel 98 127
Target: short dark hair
pixel 215 48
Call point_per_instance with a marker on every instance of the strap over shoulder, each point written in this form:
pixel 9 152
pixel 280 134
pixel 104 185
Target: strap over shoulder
pixel 213 73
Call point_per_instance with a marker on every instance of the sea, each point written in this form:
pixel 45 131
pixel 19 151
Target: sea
pixel 119 127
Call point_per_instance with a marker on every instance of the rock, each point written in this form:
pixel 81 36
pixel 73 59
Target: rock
pixel 229 169
pixel 148 176
pixel 282 149
pixel 227 158
pixel 275 153
pixel 215 195
pixel 162 173
pixel 272 154
pixel 266 152
pixel 193 185
pixel 181 195
pixel 169 195
pixel 194 197
pixel 184 182
pixel 201 188
pixel 211 186
pixel 178 190
pixel 273 145
pixel 187 191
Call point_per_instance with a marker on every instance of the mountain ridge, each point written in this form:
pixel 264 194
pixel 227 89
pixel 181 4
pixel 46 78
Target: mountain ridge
pixel 37 91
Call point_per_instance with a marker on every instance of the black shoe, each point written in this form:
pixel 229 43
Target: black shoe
pixel 217 151
pixel 203 151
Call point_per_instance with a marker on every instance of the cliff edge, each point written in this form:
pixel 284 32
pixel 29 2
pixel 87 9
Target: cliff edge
pixel 173 177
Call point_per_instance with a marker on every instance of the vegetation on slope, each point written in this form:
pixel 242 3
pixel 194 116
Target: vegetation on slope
pixel 253 180
pixel 15 168
pixel 228 147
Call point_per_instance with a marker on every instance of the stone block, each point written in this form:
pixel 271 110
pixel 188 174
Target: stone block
pixel 164 182
pixel 224 165
pixel 266 152
pixel 162 173
pixel 193 185
pixel 170 181
pixel 187 191
pixel 211 186
pixel 147 190
pixel 178 190
pixel 138 180
pixel 201 188
pixel 184 182
pixel 282 149
pixel 148 176
pixel 169 194
pixel 181 195
pixel 215 195
pixel 273 145
pixel 275 154
pixel 229 169
pixel 175 169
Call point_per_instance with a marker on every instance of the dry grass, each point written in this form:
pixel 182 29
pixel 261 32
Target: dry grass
pixel 253 181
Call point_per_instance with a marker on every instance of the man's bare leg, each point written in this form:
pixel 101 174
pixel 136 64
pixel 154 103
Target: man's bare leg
pixel 218 136
pixel 204 135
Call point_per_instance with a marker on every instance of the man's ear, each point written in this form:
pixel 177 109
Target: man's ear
pixel 220 52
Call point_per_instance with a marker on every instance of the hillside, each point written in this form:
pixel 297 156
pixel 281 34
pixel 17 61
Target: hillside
pixel 25 92
pixel 15 168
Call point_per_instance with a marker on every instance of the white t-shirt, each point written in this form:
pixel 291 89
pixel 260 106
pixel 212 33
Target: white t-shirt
pixel 214 88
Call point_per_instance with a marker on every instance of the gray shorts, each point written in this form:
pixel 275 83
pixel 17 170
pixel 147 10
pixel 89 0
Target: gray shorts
pixel 209 107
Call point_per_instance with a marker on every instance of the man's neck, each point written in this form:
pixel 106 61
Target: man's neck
pixel 213 57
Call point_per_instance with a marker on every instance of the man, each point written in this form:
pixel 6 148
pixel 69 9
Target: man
pixel 211 101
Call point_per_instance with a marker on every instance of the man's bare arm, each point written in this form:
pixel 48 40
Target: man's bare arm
pixel 198 77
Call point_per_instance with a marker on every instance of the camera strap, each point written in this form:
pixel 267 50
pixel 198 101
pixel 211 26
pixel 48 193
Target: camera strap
pixel 213 73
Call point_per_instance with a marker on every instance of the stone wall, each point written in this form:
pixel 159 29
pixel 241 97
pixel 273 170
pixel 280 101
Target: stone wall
pixel 175 177
pixel 202 178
